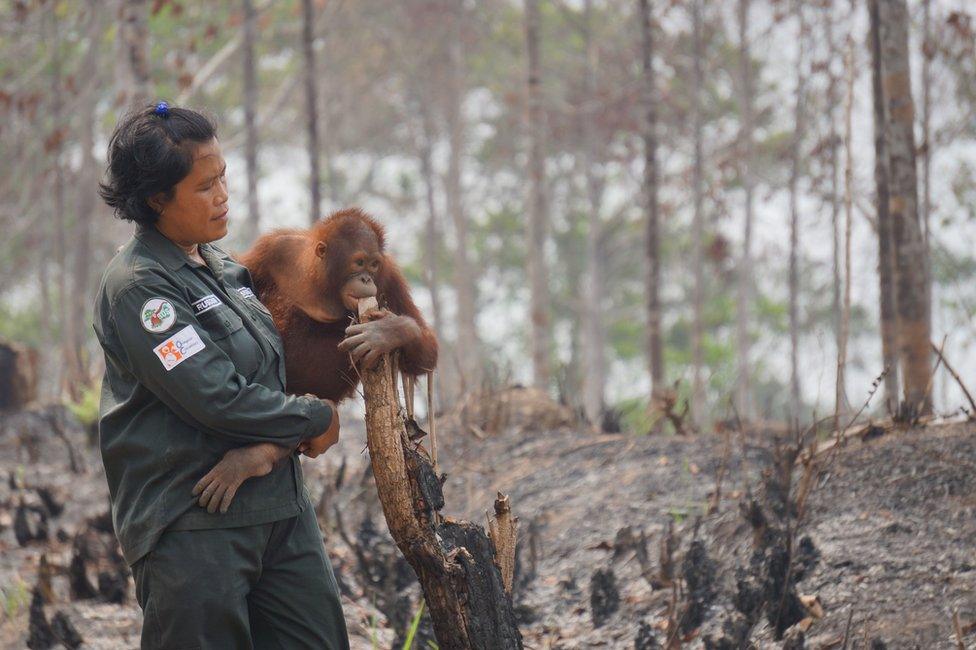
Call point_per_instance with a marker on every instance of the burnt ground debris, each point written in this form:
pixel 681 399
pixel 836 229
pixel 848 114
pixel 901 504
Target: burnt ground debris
pixel 886 538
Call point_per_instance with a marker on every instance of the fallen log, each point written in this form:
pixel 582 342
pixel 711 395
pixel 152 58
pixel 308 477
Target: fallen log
pixel 455 561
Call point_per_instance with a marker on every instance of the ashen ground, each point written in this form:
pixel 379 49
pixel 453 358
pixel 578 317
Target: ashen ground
pixel 892 518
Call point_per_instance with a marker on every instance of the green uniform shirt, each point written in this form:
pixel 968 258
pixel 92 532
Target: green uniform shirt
pixel 193 368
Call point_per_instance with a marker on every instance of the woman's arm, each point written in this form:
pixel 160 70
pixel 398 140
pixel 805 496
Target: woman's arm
pixel 188 372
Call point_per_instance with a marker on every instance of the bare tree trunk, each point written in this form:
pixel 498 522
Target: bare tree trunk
pixel 55 232
pixel 835 200
pixel 86 209
pixel 593 338
pixel 65 325
pixel 655 356
pixel 311 109
pixel 886 260
pixel 537 222
pixel 132 73
pixel 927 53
pixel 432 235
pixel 329 146
pixel 698 226
pixel 794 273
pixel 911 256
pixel 432 245
pixel 331 174
pixel 845 321
pixel 926 116
pixel 468 346
pixel 743 391
pixel 250 130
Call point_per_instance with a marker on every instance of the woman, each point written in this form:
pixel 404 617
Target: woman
pixel 194 368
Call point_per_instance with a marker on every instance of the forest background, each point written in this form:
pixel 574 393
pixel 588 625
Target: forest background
pixel 521 156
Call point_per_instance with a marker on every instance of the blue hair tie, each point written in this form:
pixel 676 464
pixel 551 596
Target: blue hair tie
pixel 162 109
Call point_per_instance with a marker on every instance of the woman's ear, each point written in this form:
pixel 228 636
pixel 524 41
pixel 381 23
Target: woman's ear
pixel 157 202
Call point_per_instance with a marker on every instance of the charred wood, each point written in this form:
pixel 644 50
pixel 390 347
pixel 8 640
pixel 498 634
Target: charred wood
pixel 454 560
pixel 39 633
pixel 604 596
pixel 65 631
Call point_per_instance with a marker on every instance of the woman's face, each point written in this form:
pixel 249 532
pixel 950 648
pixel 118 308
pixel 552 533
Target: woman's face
pixel 197 212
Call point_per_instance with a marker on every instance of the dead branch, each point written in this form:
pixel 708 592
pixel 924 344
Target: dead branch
pixel 666 555
pixel 463 588
pixel 847 628
pixel 811 468
pixel 842 435
pixel 929 385
pixel 208 69
pixel 431 421
pixel 723 465
pixel 957 628
pixel 673 641
pixel 665 403
pixel 56 421
pixel 958 379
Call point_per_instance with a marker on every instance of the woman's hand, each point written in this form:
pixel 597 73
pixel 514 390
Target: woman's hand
pixel 314 447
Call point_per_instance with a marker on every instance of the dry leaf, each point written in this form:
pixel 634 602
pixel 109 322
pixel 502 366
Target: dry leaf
pixel 812 603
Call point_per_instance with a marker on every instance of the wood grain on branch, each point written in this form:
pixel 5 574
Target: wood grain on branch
pixel 455 561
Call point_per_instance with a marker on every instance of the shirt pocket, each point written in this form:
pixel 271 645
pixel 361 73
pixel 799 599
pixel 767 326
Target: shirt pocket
pixel 227 331
pixel 263 315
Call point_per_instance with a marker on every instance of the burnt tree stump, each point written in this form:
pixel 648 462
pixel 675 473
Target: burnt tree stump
pixel 18 375
pixel 455 561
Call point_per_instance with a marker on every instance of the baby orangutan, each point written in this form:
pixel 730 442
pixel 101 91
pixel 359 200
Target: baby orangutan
pixel 312 281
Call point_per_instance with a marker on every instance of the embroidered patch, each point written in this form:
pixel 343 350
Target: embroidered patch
pixel 206 304
pixel 246 293
pixel 157 315
pixel 180 347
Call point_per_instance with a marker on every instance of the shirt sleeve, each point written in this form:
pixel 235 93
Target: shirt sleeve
pixel 172 355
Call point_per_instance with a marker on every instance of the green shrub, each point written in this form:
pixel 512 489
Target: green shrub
pixel 14 597
pixel 85 410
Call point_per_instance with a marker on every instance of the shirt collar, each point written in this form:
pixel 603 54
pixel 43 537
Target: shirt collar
pixel 214 258
pixel 172 256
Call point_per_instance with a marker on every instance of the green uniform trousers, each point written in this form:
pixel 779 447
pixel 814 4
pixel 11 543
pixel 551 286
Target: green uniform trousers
pixel 265 586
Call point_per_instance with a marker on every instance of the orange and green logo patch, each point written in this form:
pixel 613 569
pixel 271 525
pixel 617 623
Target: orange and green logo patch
pixel 157 315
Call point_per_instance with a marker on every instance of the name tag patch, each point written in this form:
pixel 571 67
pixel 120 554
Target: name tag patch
pixel 246 293
pixel 178 348
pixel 206 304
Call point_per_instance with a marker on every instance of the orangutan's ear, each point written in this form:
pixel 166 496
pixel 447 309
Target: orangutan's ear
pixel 300 285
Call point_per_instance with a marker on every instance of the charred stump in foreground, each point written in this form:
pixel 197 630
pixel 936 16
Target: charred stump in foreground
pixel 18 375
pixel 455 561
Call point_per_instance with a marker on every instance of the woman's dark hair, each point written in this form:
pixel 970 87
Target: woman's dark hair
pixel 150 152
